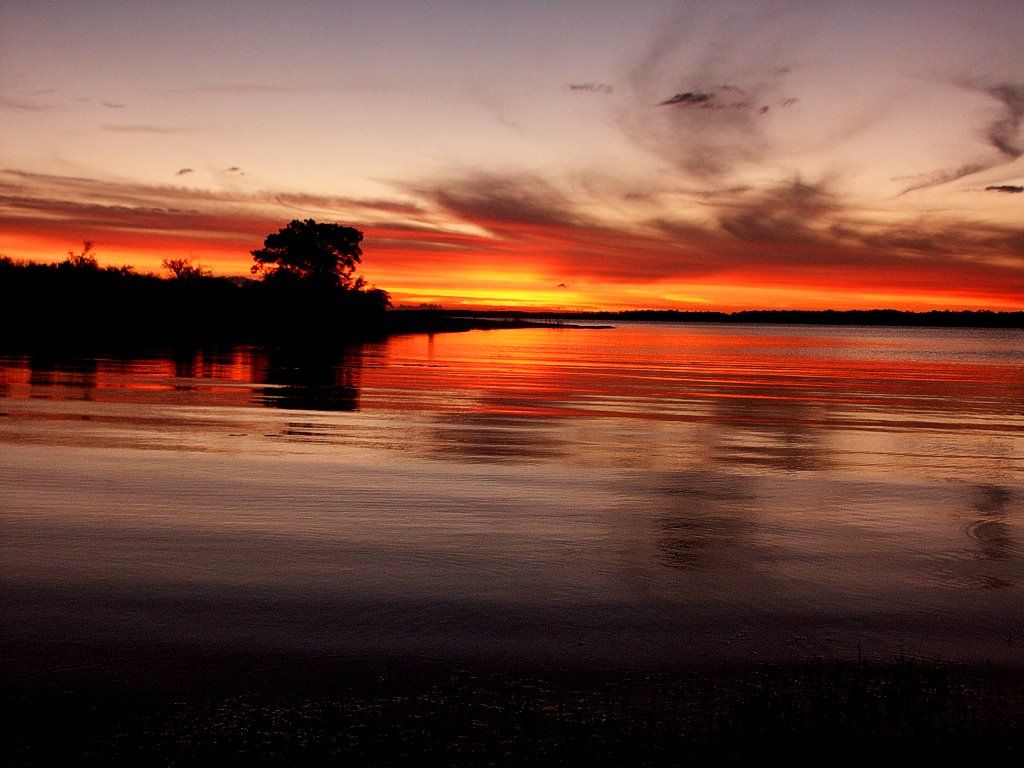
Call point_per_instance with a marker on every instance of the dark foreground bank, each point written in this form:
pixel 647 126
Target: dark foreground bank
pixel 375 713
pixel 54 306
pixel 77 304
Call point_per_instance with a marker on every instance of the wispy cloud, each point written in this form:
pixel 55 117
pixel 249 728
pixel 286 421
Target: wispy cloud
pixel 184 172
pixel 590 87
pixel 143 128
pixel 239 88
pixel 24 105
pixel 509 202
pixel 713 125
pixel 799 232
pixel 1012 189
pixel 112 105
pixel 145 216
pixel 1002 134
pixel 689 97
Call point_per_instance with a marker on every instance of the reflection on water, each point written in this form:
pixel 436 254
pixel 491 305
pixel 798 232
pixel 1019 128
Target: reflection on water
pixel 49 375
pixel 778 434
pixel 311 379
pixel 705 520
pixel 494 436
pixel 640 495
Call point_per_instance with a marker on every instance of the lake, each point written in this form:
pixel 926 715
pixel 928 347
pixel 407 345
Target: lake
pixel 643 497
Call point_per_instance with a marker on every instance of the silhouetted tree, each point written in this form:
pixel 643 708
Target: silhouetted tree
pixel 185 269
pixel 84 259
pixel 313 253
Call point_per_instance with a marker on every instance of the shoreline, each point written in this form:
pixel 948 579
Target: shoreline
pixel 63 337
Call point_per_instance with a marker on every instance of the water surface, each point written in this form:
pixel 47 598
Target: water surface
pixel 643 496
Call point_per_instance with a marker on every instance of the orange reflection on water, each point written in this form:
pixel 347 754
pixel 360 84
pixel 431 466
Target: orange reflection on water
pixel 760 489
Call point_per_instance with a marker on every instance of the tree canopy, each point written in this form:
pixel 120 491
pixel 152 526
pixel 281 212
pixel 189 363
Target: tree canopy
pixel 313 253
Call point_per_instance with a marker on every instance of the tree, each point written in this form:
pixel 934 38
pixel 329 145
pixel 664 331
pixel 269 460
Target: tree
pixel 184 269
pixel 84 259
pixel 313 253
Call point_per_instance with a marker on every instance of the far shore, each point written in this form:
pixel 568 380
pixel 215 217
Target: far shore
pixel 851 317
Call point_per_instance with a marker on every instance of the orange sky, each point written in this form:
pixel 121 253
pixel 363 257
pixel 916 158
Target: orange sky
pixel 669 155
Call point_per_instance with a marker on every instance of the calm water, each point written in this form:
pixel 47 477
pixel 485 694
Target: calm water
pixel 639 496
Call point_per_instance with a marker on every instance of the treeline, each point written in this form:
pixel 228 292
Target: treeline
pixel 882 317
pixel 77 302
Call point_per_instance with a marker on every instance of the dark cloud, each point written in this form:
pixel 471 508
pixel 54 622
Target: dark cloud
pixel 234 170
pixel 184 172
pixel 506 202
pixel 142 128
pixel 722 97
pixel 690 97
pixel 1012 189
pixel 786 213
pixel 1003 134
pixel 792 233
pixel 591 87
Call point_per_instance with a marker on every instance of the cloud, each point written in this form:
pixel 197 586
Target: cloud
pixel 184 172
pixel 1013 189
pixel 784 213
pixel 690 97
pixel 234 170
pixel 241 88
pixel 24 106
pixel 143 216
pixel 591 87
pixel 714 126
pixel 326 203
pixel 800 233
pixel 142 128
pixel 112 105
pixel 1002 133
pixel 509 202
pixel 722 97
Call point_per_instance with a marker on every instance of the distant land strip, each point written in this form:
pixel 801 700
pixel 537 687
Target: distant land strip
pixel 940 318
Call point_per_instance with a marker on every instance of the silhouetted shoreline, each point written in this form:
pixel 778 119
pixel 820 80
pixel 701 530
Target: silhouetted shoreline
pixel 80 305
pixel 51 306
pixel 853 317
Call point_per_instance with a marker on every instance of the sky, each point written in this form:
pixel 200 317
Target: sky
pixel 598 155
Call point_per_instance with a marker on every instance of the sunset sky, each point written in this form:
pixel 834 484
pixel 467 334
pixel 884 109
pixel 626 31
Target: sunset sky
pixel 534 154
